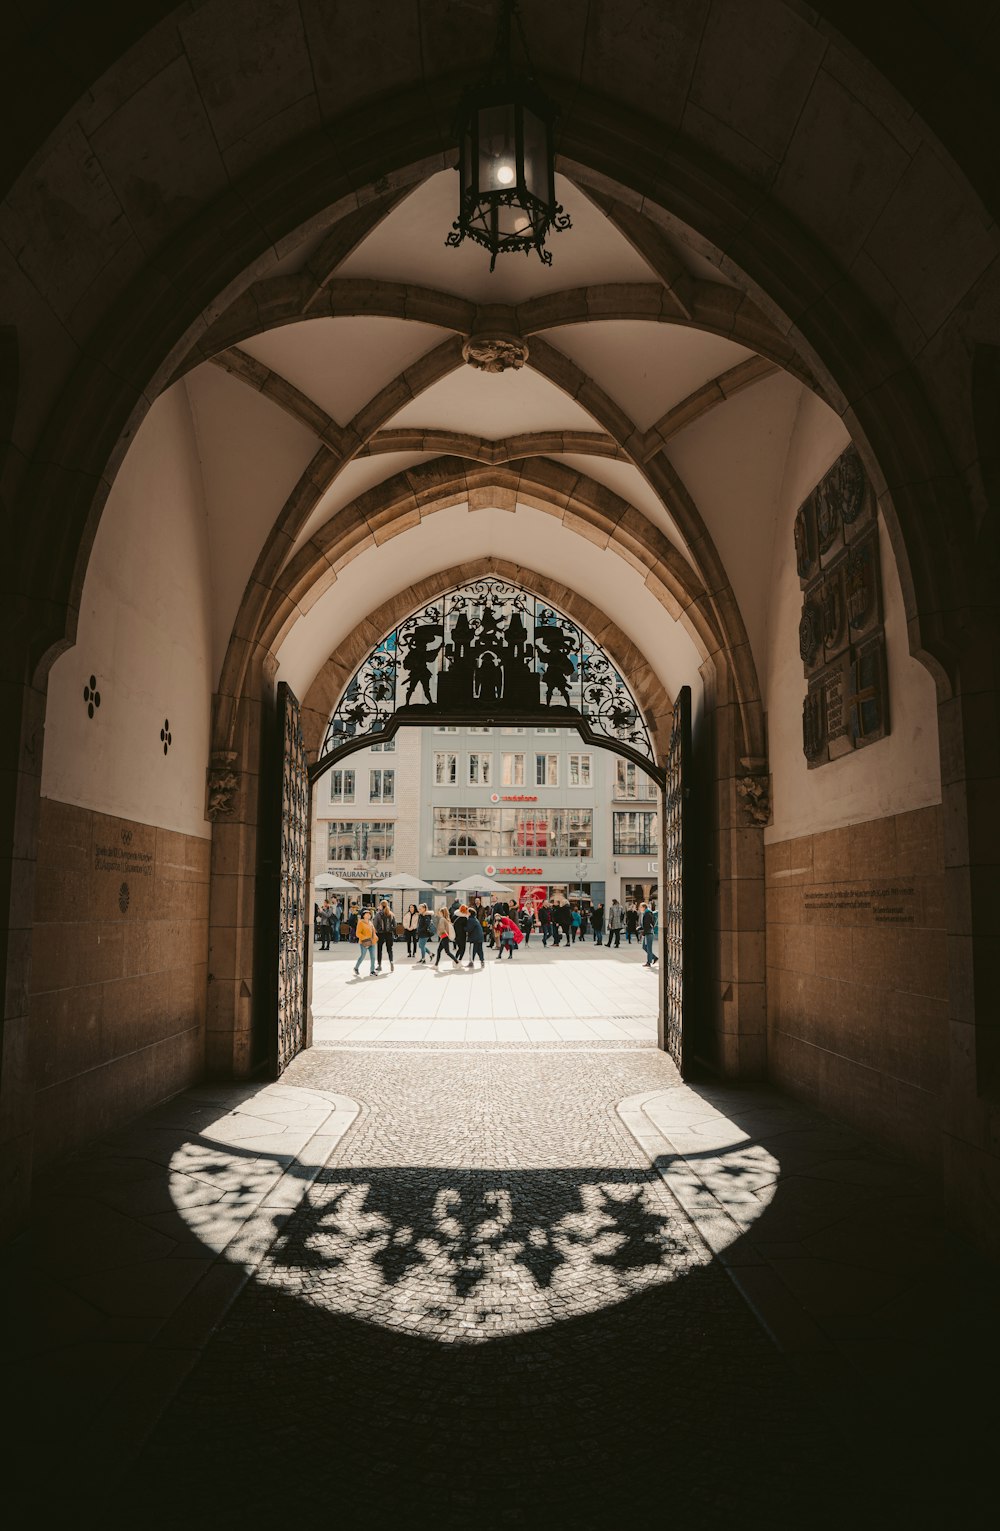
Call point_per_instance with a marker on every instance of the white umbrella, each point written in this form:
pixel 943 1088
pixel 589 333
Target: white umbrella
pixel 404 880
pixel 479 884
pixel 327 880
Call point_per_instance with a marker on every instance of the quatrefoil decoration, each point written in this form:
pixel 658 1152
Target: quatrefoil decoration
pixel 91 696
pixel 166 737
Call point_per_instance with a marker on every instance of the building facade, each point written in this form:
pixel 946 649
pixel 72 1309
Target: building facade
pixel 535 808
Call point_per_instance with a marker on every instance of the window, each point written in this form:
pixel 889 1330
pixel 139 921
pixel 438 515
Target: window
pixel 342 786
pixel 479 730
pixel 546 730
pixel 546 770
pixel 445 729
pixel 512 730
pixel 512 770
pixel 480 769
pixel 579 770
pixel 387 747
pixel 631 782
pixel 360 840
pixel 445 769
pixel 517 834
pixel 635 834
pixel 381 786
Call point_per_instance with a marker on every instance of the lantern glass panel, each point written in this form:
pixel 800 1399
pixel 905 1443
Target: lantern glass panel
pixel 536 158
pixel 497 149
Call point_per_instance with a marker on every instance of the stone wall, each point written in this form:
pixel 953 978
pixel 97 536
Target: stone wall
pixel 857 980
pixel 117 1006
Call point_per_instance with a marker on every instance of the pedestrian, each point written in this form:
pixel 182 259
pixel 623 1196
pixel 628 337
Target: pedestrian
pixel 508 936
pixel 597 923
pixel 616 919
pixel 336 915
pixel 352 925
pixel 545 923
pixel 385 930
pixel 647 926
pixel 410 919
pixel 575 922
pixel 366 941
pixel 631 923
pixel 460 920
pixel 474 935
pixel 315 922
pixel 527 923
pixel 564 914
pixel 584 921
pixel 445 935
pixel 488 918
pixel 425 929
pixel 325 923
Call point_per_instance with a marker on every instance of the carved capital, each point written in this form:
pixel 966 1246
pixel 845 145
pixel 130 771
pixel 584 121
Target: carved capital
pixel 222 785
pixel 495 353
pixel 753 793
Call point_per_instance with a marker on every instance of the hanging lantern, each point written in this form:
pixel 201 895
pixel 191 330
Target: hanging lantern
pixel 506 160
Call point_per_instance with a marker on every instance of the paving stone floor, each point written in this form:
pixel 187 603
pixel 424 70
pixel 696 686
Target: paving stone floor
pixel 482 1285
pixel 582 993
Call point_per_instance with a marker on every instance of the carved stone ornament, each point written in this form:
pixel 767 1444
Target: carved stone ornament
pixel 222 785
pixel 809 633
pixel 754 795
pixel 495 353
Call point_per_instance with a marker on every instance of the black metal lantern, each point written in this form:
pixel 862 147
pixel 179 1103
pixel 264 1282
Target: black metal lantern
pixel 506 157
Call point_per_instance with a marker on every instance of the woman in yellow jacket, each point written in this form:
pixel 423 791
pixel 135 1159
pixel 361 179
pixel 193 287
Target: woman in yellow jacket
pixel 366 941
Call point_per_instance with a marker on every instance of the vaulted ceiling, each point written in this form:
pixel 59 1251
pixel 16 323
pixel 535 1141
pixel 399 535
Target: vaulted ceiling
pixel 652 388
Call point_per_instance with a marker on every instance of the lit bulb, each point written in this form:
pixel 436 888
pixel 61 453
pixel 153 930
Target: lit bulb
pixel 505 175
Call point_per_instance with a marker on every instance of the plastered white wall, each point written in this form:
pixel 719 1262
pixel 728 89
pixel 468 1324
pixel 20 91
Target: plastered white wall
pixel 898 773
pixel 145 635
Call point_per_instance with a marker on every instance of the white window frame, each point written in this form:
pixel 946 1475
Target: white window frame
pixel 549 763
pixel 448 775
pixel 342 796
pixel 509 768
pixel 584 766
pixel 381 796
pixel 482 776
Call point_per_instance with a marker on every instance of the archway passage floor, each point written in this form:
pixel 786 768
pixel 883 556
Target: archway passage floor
pixel 485 1285
pixel 583 993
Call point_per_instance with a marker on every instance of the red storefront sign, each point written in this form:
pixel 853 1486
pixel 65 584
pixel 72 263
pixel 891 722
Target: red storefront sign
pixel 532 896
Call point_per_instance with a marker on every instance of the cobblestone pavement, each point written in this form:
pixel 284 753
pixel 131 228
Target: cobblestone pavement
pixel 489 1311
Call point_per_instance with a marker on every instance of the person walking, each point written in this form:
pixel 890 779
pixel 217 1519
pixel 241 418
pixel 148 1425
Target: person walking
pixel 616 919
pixel 597 923
pixel 366 942
pixel 445 935
pixel 410 919
pixel 575 923
pixel 527 923
pixel 474 935
pixel 325 925
pixel 460 920
pixel 545 923
pixel 385 930
pixel 564 914
pixel 508 937
pixel 647 926
pixel 425 929
pixel 336 915
pixel 631 923
pixel 352 925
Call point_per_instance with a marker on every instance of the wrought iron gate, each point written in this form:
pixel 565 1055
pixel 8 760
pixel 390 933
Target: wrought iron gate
pixel 293 881
pixel 674 904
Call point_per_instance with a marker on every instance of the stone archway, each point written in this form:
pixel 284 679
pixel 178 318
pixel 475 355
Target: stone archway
pixel 151 324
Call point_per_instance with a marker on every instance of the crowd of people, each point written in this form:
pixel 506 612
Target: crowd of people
pixel 462 932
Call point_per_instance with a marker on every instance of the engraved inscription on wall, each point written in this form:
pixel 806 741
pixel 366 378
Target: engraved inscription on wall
pixel 891 904
pixel 120 858
pixel 841 638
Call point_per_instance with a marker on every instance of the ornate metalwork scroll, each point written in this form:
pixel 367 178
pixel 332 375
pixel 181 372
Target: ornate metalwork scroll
pixel 489 652
pixel 676 951
pixel 292 881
